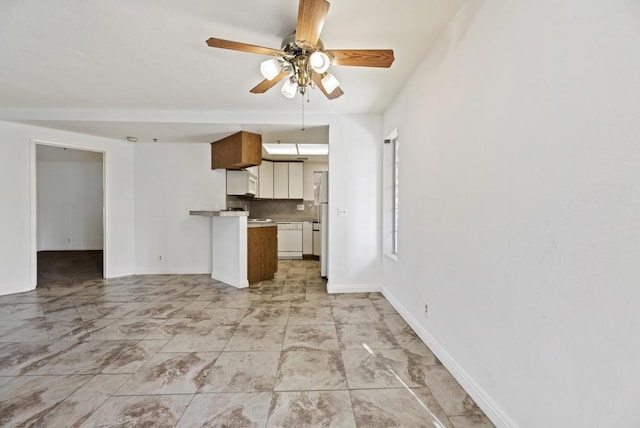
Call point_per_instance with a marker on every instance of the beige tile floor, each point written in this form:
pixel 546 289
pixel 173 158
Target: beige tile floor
pixel 188 351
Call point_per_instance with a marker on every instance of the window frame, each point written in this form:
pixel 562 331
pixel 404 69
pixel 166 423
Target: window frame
pixel 391 200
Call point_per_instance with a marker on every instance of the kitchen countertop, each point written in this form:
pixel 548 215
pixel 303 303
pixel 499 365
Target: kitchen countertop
pixel 220 213
pixel 252 224
pixel 284 219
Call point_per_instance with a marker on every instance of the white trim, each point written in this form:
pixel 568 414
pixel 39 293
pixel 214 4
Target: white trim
pixel 33 215
pixel 118 275
pixel 106 267
pixel 493 411
pixel 234 282
pixel 72 249
pixel 34 208
pixel 352 288
pixel 16 288
pixel 172 271
pixel 389 196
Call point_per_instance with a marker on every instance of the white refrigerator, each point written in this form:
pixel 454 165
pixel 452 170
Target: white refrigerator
pixel 324 223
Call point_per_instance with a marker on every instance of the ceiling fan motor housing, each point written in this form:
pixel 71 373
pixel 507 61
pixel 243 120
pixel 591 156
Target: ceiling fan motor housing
pixel 297 57
pixel 302 59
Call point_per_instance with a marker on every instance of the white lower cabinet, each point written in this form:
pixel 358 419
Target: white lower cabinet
pixel 317 243
pixel 307 237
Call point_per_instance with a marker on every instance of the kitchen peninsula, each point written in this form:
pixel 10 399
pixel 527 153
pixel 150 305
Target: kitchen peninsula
pixel 232 261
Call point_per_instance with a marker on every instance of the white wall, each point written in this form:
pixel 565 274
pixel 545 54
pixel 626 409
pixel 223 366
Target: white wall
pixel 354 240
pixel 309 169
pixel 170 180
pixel 520 206
pixel 354 158
pixel 16 268
pixel 355 185
pixel 69 205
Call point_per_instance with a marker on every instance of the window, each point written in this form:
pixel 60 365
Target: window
pixel 390 194
pixel 395 195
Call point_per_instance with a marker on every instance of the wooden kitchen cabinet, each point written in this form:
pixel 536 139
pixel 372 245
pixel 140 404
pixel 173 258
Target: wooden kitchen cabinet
pixel 262 253
pixel 237 151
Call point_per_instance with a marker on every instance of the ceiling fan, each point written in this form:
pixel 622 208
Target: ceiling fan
pixel 302 59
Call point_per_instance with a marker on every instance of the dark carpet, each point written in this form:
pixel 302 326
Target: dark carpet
pixel 64 267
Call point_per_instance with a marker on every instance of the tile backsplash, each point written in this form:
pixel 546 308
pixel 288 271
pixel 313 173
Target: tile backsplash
pixel 277 209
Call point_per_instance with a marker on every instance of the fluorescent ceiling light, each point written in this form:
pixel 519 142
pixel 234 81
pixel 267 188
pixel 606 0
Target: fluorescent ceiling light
pixel 313 149
pixel 280 149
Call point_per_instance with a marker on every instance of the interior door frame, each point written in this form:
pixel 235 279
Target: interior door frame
pixel 34 204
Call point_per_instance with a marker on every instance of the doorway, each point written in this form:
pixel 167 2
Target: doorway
pixel 68 203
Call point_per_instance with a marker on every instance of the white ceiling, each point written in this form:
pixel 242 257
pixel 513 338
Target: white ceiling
pixel 46 153
pixel 151 55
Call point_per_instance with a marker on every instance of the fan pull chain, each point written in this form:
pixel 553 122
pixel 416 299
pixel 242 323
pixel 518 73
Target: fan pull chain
pixel 302 129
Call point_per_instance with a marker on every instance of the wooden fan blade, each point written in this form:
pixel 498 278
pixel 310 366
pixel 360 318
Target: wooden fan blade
pixel 362 57
pixel 311 16
pixel 337 93
pixel 265 85
pixel 243 47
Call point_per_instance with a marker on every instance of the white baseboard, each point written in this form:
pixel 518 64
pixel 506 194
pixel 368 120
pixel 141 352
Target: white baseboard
pixel 493 411
pixel 15 288
pixel 117 274
pixel 352 288
pixel 230 281
pixel 172 271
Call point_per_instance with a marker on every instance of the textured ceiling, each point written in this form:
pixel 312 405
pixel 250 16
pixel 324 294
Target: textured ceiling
pixel 151 54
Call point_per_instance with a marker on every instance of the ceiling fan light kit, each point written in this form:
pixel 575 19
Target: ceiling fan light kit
pixel 319 61
pixel 290 88
pixel 330 83
pixel 270 68
pixel 302 60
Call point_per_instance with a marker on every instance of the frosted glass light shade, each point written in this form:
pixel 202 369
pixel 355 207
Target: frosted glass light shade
pixel 289 88
pixel 330 83
pixel 319 62
pixel 270 68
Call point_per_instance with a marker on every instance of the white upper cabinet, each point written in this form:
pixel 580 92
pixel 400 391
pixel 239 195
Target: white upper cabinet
pixel 296 173
pixel 287 180
pixel 265 180
pixel 281 180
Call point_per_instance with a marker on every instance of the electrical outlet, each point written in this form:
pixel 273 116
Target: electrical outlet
pixel 159 257
pixel 426 309
pixel 300 207
pixel 342 212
